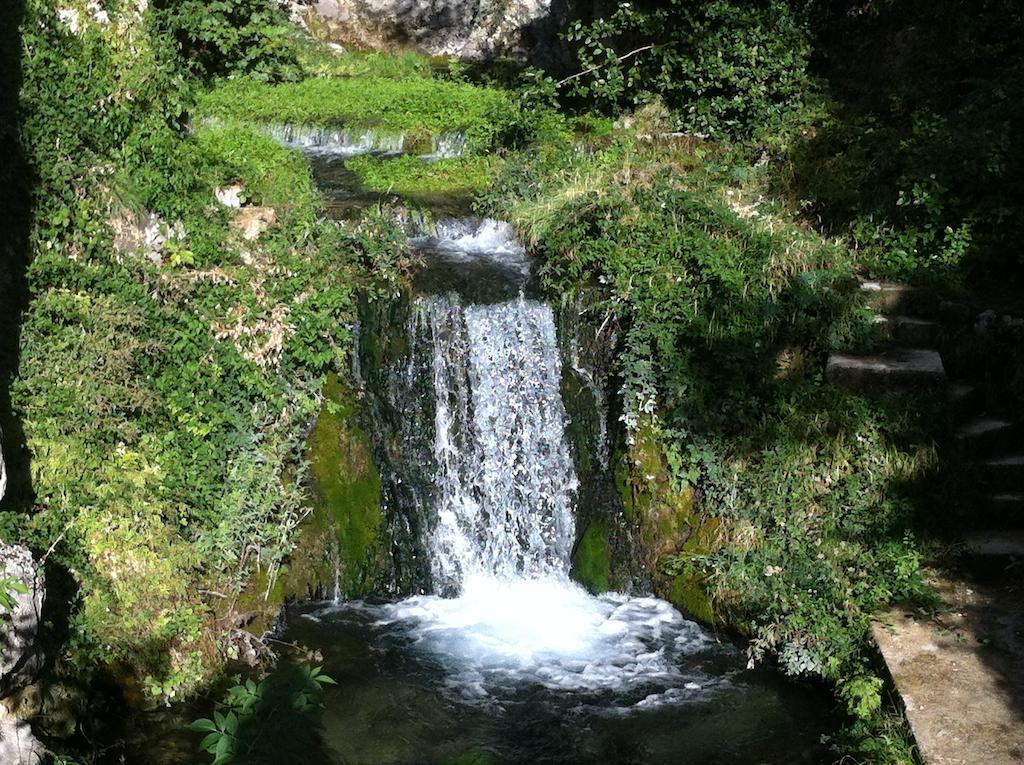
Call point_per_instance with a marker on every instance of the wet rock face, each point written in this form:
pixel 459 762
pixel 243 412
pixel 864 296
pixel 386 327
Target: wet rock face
pixel 474 29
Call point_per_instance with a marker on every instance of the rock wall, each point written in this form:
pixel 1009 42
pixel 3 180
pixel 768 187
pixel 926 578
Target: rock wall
pixel 472 29
pixel 20 657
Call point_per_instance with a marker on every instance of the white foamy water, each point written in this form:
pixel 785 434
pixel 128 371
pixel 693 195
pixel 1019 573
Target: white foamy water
pixel 346 142
pixel 333 142
pixel 467 239
pixel 551 632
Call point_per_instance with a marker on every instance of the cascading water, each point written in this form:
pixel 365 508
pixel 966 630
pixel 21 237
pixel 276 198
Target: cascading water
pixel 496 499
pixel 505 475
pixel 336 142
pixel 503 658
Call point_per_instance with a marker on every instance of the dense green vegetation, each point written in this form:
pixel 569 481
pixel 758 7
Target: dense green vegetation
pixel 410 175
pixel 805 495
pixel 416 106
pixel 892 124
pixel 170 361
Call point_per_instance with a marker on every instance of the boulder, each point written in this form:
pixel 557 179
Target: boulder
pixel 473 29
pixel 19 625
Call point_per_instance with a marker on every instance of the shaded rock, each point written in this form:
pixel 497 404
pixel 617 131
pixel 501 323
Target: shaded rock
pixel 19 625
pixel 1003 472
pixel 19 654
pixel 3 468
pixel 985 432
pixel 894 298
pixel 909 330
pixel 18 745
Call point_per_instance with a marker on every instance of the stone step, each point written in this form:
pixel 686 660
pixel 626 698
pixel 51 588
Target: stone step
pixel 895 298
pixel 1006 505
pixel 964 399
pixel 996 543
pixel 909 331
pixel 984 433
pixel 995 554
pixel 895 367
pixel 960 673
pixel 1003 473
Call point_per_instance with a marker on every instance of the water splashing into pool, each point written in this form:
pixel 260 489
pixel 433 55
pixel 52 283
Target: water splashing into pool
pixel 505 613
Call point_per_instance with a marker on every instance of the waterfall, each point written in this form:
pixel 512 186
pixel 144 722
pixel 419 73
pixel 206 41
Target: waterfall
pixel 347 142
pixel 465 384
pixel 505 476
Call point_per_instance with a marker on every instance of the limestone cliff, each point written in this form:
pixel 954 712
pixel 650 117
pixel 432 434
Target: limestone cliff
pixel 472 29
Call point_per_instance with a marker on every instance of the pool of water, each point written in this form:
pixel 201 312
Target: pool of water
pixel 434 681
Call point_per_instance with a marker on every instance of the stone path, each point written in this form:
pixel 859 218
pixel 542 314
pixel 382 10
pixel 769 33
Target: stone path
pixel 960 674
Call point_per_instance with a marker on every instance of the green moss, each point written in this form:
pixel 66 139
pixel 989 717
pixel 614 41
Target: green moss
pixel 668 523
pixel 591 560
pixel 689 593
pixel 409 175
pixel 347 488
pixel 581 407
pixel 486 115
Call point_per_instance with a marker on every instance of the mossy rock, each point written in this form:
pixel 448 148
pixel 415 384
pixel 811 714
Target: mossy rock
pixel 591 560
pixel 667 522
pixel 343 529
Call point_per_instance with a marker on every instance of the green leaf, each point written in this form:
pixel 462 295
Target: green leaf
pixel 202 724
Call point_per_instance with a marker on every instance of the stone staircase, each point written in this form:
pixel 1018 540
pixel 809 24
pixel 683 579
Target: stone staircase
pixel 960 674
pixel 988 444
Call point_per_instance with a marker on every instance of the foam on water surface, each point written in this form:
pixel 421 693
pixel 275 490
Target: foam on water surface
pixel 500 636
pixel 473 242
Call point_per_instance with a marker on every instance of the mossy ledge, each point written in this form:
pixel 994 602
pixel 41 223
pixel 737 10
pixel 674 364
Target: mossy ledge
pixel 338 547
pixel 667 523
pixel 417 106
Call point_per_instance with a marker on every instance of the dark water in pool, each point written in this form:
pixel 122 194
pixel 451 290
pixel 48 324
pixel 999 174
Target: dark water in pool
pixel 396 704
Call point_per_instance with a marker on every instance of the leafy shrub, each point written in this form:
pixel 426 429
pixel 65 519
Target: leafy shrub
pixel 272 721
pixel 916 159
pixel 727 68
pixel 230 37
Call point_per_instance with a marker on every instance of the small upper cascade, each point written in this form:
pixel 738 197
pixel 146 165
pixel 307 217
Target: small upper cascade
pixel 448 146
pixel 491 238
pixel 346 142
pixel 337 142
